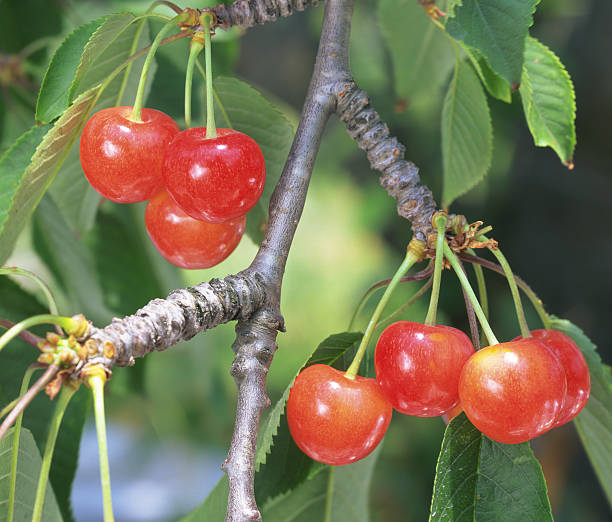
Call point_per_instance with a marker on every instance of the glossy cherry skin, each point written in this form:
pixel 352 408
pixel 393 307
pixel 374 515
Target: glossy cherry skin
pixel 576 372
pixel 214 179
pixel 513 392
pixel 418 366
pixel 122 159
pixel 334 419
pixel 188 242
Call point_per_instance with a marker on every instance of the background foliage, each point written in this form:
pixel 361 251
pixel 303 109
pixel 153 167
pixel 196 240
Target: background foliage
pixel 548 219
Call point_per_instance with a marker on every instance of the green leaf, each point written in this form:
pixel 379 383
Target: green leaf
pixel 28 467
pixel 337 494
pixel 241 107
pixel 467 134
pixel 280 464
pixel 14 181
pixel 16 305
pixel 54 94
pixel 594 422
pixel 71 263
pixel 548 100
pixel 421 54
pixel 480 479
pixel 497 29
pixel 494 83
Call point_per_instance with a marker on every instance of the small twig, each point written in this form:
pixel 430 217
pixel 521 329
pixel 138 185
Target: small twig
pixel 26 335
pixel 27 398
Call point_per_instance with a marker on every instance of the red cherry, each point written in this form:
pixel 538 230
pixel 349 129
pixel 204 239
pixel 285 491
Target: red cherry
pixel 576 372
pixel 418 366
pixel 214 179
pixel 334 419
pixel 121 158
pixel 188 242
pixel 513 392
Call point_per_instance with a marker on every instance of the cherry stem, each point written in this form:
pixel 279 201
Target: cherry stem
pixel 413 255
pixel 450 255
pixel 67 323
pixel 418 276
pixel 26 335
pixel 138 102
pixel 516 297
pixel 474 332
pixel 27 398
pixel 195 49
pixel 16 435
pixel 13 270
pixel 535 300
pixel 383 322
pixel 43 478
pixel 439 222
pixel 211 129
pixel 171 5
pixel 482 286
pixel 96 383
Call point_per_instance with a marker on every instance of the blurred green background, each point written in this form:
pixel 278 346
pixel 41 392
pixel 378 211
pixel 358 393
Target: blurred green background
pixel 552 224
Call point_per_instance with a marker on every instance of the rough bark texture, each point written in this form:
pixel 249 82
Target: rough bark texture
pixel 252 297
pixel 247 13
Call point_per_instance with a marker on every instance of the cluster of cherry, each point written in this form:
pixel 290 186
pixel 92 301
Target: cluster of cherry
pixel 512 392
pixel 199 188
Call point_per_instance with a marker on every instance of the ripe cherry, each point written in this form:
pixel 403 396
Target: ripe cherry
pixel 418 366
pixel 214 179
pixel 188 242
pixel 334 419
pixel 121 158
pixel 576 372
pixel 514 391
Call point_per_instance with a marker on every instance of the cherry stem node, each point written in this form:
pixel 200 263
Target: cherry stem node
pixel 452 258
pixel 439 221
pixel 414 254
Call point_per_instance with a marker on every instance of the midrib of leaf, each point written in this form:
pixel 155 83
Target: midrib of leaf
pixel 453 106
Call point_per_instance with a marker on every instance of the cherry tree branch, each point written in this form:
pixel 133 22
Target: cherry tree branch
pixel 252 297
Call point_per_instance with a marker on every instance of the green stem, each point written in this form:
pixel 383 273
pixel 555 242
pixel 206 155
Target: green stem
pixel 196 48
pixel 482 286
pixel 16 435
pixel 220 105
pixel 413 255
pixel 96 382
pixel 60 408
pixel 5 270
pixel 67 323
pixel 329 494
pixel 383 322
pixel 440 223
pixel 516 297
pixel 450 255
pixel 211 129
pixel 137 110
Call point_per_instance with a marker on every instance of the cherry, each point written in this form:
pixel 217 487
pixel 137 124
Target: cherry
pixel 122 158
pixel 214 179
pixel 334 419
pixel 514 391
pixel 418 366
pixel 188 242
pixel 576 372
